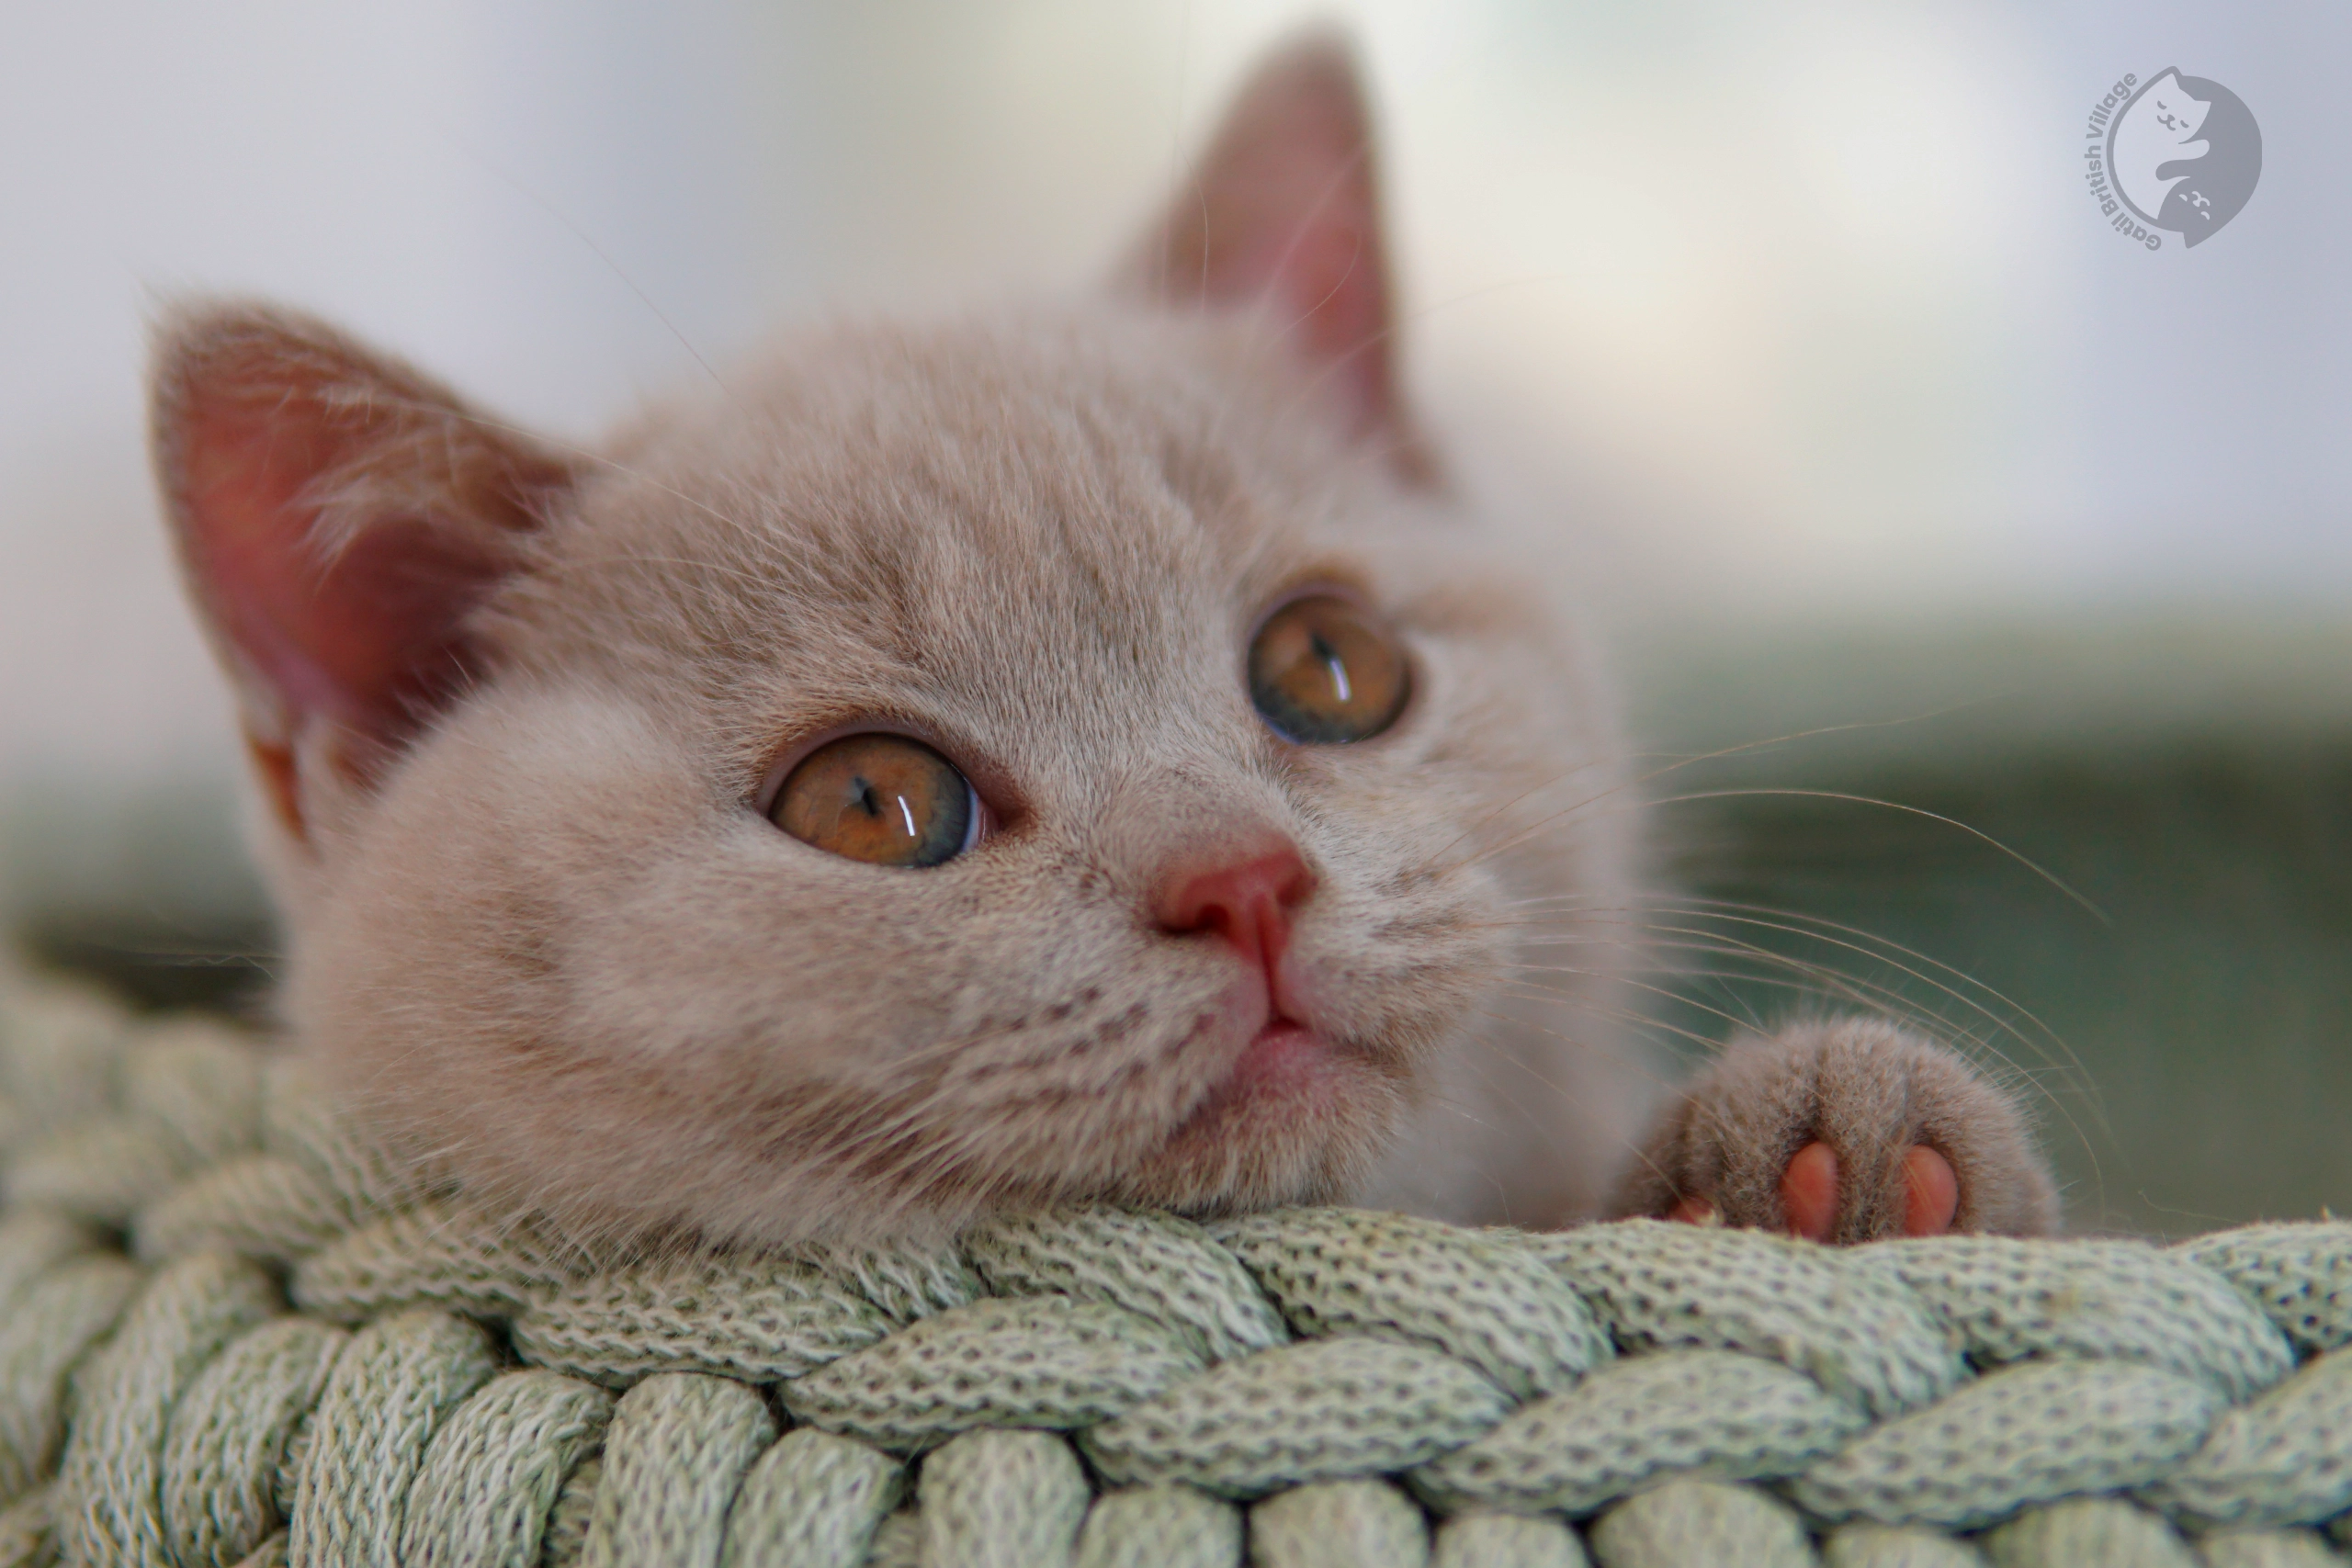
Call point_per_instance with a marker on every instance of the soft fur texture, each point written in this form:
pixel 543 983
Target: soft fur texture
pixel 1869 1091
pixel 514 709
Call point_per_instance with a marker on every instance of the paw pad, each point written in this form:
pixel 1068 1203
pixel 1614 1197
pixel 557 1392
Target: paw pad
pixel 1809 1194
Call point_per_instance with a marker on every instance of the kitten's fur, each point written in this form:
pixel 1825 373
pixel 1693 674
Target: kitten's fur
pixel 512 707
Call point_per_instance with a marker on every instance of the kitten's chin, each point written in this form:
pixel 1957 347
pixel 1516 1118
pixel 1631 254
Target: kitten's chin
pixel 1297 1118
pixel 1287 1061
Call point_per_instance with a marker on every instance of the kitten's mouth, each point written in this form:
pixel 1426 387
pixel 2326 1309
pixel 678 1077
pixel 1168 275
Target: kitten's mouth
pixel 1292 1088
pixel 1286 1064
pixel 1284 1055
pixel 1288 1102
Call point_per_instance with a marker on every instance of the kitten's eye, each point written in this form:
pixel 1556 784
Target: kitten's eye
pixel 883 799
pixel 1323 672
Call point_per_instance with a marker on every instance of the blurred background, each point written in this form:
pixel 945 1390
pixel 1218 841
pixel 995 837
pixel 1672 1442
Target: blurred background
pixel 1799 318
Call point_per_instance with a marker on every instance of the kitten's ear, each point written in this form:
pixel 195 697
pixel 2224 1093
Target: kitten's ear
pixel 1283 213
pixel 338 514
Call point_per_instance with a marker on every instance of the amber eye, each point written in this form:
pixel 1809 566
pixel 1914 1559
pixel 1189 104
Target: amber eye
pixel 1323 672
pixel 880 798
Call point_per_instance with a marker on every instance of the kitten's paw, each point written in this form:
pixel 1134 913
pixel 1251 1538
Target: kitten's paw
pixel 1847 1131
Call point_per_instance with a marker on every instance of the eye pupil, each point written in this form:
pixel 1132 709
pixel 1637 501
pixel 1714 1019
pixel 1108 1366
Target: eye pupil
pixel 1323 672
pixel 884 799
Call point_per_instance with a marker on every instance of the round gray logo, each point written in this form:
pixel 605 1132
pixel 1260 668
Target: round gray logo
pixel 2173 152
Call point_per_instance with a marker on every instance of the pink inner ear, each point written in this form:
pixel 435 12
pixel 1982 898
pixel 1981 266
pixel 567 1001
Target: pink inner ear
pixel 366 637
pixel 1284 211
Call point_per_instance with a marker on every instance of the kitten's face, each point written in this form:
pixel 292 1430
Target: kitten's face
pixel 545 926
pixel 564 939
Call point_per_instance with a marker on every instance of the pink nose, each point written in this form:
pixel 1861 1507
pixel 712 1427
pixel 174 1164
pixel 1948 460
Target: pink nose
pixel 1246 899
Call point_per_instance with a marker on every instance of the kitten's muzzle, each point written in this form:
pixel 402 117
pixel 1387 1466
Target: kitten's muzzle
pixel 1244 897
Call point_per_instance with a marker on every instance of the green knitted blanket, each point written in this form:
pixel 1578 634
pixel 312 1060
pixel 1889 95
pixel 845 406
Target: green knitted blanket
pixel 228 1334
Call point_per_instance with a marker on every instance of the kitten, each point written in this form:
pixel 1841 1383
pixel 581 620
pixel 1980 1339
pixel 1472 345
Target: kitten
pixel 1084 752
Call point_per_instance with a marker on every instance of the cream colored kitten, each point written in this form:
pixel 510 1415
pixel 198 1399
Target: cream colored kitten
pixel 1080 751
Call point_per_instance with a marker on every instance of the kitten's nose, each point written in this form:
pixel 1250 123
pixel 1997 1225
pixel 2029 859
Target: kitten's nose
pixel 1246 897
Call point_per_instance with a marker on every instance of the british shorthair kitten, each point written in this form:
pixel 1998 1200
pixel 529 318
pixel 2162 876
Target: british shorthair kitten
pixel 1078 751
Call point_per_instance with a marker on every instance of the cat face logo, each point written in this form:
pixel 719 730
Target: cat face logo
pixel 2176 152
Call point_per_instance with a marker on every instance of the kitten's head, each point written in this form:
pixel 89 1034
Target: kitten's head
pixel 1055 754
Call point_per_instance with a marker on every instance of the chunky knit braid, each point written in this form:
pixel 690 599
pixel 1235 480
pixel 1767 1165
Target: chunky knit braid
pixel 230 1334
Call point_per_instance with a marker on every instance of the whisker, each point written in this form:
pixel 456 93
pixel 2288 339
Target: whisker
pixel 1628 1142
pixel 1806 978
pixel 1977 833
pixel 1753 913
pixel 581 234
pixel 1682 760
pixel 1880 954
pixel 1621 1014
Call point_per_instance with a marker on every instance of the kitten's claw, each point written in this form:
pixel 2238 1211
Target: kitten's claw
pixel 1844 1131
pixel 1694 1212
